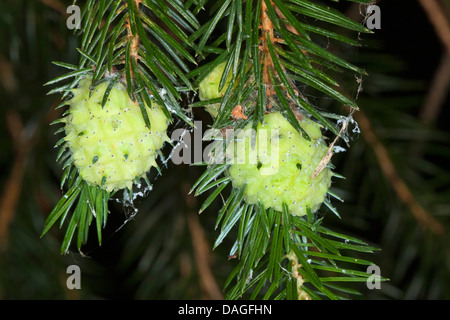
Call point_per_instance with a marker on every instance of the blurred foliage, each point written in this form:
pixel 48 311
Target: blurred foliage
pixel 152 254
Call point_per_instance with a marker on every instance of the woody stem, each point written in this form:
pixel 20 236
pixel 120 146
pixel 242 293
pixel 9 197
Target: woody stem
pixel 266 33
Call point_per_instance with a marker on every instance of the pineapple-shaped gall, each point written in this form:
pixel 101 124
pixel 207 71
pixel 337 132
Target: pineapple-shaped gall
pixel 112 146
pixel 277 166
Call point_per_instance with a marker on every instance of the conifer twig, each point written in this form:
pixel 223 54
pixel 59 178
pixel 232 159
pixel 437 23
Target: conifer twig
pixel 441 81
pixel 302 294
pixel 201 251
pixel 267 32
pixel 438 20
pixel 422 216
pixel 437 92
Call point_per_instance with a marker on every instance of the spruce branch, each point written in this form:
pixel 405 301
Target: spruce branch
pixel 422 216
pixel 271 55
pixel 155 254
pixel 267 35
pixel 201 251
pixel 295 267
pixel 143 45
pixel 440 22
pixel 266 57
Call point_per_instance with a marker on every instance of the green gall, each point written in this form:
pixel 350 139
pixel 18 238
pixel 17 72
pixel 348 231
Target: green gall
pixel 276 165
pixel 209 88
pixel 111 146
